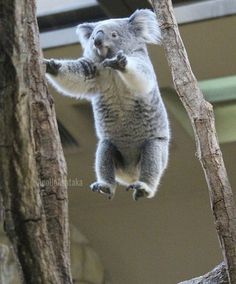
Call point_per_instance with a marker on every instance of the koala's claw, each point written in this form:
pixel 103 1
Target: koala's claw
pixel 102 188
pixel 52 67
pixel 122 59
pixel 140 190
pixel 88 67
pixel 119 62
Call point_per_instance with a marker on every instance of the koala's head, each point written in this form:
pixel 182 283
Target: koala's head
pixel 105 38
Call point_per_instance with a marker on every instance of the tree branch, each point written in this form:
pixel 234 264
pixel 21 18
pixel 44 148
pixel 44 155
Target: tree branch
pixel 201 115
pixel 36 220
pixel 217 276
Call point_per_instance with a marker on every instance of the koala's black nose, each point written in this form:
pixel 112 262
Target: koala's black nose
pixel 98 41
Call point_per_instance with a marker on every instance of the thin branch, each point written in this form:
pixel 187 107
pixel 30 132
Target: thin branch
pixel 201 115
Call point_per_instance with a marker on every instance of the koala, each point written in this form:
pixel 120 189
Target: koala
pixel 116 75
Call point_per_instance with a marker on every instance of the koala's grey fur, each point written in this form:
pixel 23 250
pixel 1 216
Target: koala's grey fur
pixel 116 75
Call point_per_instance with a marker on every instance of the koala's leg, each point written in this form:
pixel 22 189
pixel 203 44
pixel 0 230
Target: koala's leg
pixel 105 169
pixel 154 158
pixel 136 71
pixel 72 77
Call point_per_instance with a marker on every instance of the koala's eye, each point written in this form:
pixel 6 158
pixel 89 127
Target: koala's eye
pixel 114 34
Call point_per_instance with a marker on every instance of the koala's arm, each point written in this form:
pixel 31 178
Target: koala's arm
pixel 136 71
pixel 76 78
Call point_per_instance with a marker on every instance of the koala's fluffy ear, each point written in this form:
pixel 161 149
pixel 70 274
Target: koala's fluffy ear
pixel 144 24
pixel 84 32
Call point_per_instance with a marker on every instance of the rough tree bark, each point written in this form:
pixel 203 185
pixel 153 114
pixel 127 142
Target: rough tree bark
pixel 201 115
pixel 32 165
pixel 217 276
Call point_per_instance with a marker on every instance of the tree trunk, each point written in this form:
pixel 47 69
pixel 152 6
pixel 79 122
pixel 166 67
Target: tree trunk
pixel 201 115
pixel 32 168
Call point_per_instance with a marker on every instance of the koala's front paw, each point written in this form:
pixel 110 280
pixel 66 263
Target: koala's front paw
pixel 119 62
pixel 102 188
pixel 52 67
pixel 89 68
pixel 140 189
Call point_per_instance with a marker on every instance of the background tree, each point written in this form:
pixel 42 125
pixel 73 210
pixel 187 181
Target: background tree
pixel 202 119
pixel 32 168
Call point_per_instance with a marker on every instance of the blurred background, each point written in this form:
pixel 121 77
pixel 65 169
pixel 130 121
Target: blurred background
pixel 171 237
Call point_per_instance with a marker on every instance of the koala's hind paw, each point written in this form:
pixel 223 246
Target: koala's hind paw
pixel 102 188
pixel 52 67
pixel 119 62
pixel 140 189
